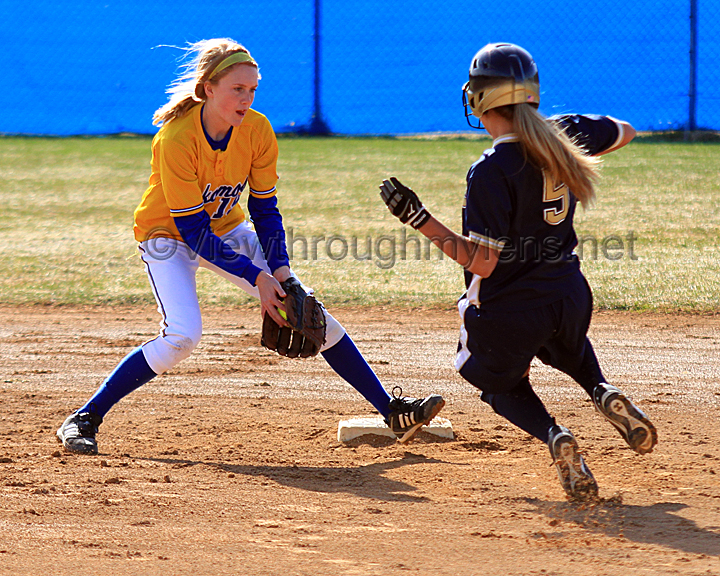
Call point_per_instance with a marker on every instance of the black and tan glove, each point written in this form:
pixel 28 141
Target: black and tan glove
pixel 305 315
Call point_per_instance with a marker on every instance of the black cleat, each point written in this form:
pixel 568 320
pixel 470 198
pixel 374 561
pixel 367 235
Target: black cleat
pixel 575 477
pixel 633 425
pixel 408 415
pixel 77 433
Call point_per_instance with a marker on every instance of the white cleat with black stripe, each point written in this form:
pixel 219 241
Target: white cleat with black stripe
pixel 408 415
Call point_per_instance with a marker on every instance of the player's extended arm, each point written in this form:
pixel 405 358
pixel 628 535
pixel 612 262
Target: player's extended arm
pixel 627 134
pixel 475 258
pixel 198 235
pixel 406 206
pixel 576 126
pixel 268 223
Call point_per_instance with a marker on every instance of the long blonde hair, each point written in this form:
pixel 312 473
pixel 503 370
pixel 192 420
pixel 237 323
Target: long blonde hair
pixel 548 147
pixel 189 87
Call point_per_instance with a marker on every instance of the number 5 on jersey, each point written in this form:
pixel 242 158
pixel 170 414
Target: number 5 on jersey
pixel 552 193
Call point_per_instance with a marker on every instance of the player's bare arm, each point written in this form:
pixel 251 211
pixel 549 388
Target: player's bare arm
pixel 283 273
pixel 406 206
pixel 472 256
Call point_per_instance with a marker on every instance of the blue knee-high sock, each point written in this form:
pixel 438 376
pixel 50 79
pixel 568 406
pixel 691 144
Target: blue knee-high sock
pixel 522 407
pixel 349 364
pixel 132 372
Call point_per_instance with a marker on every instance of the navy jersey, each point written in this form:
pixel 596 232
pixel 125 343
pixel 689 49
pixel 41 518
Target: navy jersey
pixel 510 206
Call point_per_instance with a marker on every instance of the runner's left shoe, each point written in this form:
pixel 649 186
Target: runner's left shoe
pixel 574 475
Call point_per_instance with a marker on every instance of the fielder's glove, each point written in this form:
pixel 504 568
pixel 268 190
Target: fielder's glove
pixel 403 203
pixel 306 333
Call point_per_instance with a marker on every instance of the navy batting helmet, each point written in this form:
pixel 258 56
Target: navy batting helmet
pixel 500 74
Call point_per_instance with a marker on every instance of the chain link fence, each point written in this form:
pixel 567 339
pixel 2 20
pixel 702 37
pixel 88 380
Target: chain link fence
pixel 371 67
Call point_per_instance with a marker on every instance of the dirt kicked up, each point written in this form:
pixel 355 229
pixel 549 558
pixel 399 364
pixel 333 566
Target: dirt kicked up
pixel 230 464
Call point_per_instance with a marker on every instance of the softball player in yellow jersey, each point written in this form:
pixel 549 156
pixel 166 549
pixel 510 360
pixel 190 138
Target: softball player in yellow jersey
pixel 213 150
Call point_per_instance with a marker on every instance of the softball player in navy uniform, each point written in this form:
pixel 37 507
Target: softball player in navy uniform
pixel 212 147
pixel 526 296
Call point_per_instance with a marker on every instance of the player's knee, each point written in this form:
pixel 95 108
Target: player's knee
pixel 334 332
pixel 168 350
pixel 487 380
pixel 487 398
pixel 183 344
pixel 184 340
pixel 180 341
pixel 176 349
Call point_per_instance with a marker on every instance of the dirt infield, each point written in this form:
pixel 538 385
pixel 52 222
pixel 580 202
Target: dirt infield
pixel 230 464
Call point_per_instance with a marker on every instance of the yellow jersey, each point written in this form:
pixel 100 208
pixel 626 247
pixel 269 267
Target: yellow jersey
pixel 188 176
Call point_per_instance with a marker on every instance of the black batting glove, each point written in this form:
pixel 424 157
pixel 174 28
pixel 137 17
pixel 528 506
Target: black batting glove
pixel 403 203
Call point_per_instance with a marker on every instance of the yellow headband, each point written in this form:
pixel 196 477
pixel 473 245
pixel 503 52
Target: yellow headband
pixel 236 58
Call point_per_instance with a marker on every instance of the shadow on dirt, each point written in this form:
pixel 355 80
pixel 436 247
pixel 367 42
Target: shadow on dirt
pixel 656 524
pixel 364 481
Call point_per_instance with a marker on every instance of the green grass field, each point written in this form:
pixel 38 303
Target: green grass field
pixel 652 242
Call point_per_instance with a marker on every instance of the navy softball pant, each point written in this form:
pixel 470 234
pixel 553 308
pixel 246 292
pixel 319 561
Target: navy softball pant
pixel 496 348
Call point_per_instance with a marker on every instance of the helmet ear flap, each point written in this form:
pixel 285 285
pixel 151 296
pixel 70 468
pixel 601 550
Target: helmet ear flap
pixel 469 100
pixel 474 99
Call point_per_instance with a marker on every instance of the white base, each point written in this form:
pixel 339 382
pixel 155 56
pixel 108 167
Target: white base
pixel 349 429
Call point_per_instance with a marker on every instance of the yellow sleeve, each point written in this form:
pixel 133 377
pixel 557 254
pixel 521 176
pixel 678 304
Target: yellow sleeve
pixel 178 163
pixel 263 172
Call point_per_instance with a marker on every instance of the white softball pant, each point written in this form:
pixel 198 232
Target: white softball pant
pixel 171 267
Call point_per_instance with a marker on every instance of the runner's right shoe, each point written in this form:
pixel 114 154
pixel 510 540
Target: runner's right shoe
pixel 77 433
pixel 632 423
pixel 574 475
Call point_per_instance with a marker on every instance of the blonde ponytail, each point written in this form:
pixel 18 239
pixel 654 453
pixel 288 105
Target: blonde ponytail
pixel 549 148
